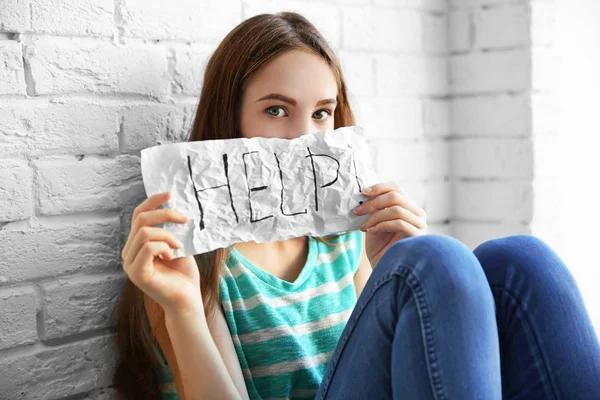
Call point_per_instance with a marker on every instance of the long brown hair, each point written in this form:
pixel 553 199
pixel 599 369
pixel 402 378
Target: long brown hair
pixel 244 51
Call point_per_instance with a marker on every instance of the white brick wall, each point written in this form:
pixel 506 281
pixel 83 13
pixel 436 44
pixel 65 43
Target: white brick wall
pixel 503 119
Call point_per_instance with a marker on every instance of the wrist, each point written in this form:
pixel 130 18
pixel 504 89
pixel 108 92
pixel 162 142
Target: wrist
pixel 187 310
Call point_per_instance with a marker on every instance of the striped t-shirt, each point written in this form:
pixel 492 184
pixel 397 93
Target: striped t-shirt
pixel 284 333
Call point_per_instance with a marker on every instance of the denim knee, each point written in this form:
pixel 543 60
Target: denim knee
pixel 440 260
pixel 534 260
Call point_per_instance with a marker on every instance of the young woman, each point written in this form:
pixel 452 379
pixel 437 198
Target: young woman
pixel 390 312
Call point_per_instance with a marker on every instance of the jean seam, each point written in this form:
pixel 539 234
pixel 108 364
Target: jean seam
pixel 549 385
pixel 424 310
pixel 405 273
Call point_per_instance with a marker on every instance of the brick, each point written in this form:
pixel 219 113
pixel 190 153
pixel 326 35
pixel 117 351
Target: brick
pixel 473 234
pixel 15 190
pixel 503 27
pixel 440 229
pixel 479 3
pixel 435 34
pixel 191 20
pixel 12 74
pixel 84 17
pixel 402 75
pixel 324 16
pixel 461 30
pixel 430 5
pixel 411 159
pixel 356 2
pixel 79 304
pixel 63 66
pixel 61 246
pixel 15 16
pixel 58 371
pixel 18 325
pixel 493 201
pixel 33 128
pixel 433 196
pixel 436 117
pixel 379 29
pixel 495 115
pixel 66 185
pixel 147 125
pixel 358 70
pixel 491 72
pixel 101 394
pixel 379 117
pixel 189 66
pixel 492 158
pixel 437 203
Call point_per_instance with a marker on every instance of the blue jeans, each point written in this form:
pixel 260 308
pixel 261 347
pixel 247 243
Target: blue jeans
pixel 438 321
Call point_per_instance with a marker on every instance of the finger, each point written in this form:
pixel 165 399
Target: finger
pixel 396 225
pixel 380 188
pixel 151 203
pixel 141 270
pixel 151 234
pixel 154 217
pixel 391 214
pixel 390 199
pixel 151 218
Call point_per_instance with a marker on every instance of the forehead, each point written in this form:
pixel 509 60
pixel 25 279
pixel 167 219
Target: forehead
pixel 298 74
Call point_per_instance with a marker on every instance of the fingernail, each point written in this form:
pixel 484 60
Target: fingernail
pixel 358 209
pixel 178 244
pixel 367 190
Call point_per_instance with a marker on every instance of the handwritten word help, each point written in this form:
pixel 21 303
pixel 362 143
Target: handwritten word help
pixel 260 189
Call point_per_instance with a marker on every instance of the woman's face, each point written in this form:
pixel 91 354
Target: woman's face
pixel 292 95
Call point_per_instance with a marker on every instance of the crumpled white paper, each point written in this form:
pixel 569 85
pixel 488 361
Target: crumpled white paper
pixel 260 189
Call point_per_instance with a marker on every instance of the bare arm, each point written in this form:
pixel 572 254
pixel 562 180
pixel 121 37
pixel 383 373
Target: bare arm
pixel 201 369
pixel 363 273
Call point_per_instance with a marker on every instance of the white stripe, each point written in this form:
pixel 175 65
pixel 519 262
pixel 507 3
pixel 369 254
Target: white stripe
pixel 290 366
pixel 295 330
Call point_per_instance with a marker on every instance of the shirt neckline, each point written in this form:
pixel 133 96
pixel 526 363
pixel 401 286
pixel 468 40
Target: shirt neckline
pixel 273 280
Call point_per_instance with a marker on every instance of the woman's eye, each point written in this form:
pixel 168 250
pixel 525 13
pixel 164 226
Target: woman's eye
pixel 322 114
pixel 276 111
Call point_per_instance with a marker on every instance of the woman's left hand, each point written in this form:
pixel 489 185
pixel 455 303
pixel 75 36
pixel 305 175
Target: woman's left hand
pixel 395 216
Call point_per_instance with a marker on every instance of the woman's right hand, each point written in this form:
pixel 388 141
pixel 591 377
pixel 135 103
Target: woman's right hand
pixel 148 259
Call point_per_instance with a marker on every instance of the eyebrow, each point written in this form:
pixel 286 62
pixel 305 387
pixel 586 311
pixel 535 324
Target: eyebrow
pixel 277 96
